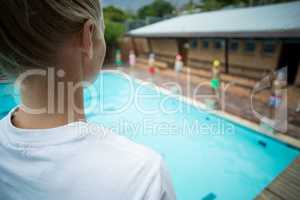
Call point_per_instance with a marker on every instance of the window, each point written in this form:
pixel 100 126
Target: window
pixel 250 46
pixel 205 44
pixel 269 47
pixel 234 45
pixel 218 44
pixel 194 44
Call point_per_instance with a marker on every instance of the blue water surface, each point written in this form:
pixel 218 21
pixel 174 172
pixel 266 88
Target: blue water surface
pixel 8 98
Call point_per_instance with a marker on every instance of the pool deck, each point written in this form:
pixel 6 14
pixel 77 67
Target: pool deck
pixel 284 187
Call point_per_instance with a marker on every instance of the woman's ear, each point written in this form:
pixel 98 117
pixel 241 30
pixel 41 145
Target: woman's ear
pixel 87 38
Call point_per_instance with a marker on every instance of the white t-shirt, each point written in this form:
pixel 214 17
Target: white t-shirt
pixel 78 161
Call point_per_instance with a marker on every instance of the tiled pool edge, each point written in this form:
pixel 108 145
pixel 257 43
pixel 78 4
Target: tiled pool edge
pixel 248 124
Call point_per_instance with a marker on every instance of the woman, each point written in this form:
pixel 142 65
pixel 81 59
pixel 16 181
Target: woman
pixel 47 149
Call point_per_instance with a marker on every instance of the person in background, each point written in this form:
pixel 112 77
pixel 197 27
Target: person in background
pixel 132 59
pixel 48 151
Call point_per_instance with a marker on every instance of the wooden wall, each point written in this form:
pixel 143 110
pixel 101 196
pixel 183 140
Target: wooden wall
pixel 164 46
pixel 126 47
pixel 255 60
pixel 241 63
pixel 200 57
pixel 141 46
pixel 256 64
pixel 253 65
pixel 165 49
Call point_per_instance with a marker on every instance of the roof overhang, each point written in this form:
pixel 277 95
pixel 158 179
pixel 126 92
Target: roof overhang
pixel 271 21
pixel 256 34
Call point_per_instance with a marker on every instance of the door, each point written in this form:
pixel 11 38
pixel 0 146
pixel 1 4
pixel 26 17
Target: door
pixel 290 57
pixel 183 48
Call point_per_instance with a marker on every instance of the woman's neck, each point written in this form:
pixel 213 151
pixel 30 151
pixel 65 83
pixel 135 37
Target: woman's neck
pixel 49 103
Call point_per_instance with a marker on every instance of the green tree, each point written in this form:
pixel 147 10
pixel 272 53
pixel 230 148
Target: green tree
pixel 208 5
pixel 114 24
pixel 113 31
pixel 159 8
pixel 190 6
pixel 115 14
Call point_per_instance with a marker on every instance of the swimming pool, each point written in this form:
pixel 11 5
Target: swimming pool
pixel 208 156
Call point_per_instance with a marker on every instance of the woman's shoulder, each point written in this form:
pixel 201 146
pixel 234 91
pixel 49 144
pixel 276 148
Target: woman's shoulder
pixel 117 144
pixel 123 159
pixel 107 144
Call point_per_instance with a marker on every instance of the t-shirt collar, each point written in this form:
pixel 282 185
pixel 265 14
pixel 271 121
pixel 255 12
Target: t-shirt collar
pixel 43 137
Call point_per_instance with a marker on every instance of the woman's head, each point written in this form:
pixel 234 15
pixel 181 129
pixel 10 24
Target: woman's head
pixel 37 34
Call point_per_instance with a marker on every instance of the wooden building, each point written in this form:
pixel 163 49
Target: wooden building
pixel 249 42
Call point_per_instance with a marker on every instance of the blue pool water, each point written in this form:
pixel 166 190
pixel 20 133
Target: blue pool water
pixel 208 157
pixel 8 98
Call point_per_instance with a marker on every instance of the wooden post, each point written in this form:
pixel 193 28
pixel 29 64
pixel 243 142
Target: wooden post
pixel 149 45
pixel 134 46
pixel 226 56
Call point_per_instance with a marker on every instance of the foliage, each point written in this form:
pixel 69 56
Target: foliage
pixel 115 14
pixel 114 24
pixel 113 31
pixel 159 8
pixel 190 6
pixel 209 5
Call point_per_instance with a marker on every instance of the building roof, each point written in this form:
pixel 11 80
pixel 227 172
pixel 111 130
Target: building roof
pixel 277 20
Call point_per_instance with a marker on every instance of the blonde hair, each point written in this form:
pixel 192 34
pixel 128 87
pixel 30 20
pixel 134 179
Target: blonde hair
pixel 31 31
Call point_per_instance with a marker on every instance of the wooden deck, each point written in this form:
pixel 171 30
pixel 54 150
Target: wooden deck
pixel 284 187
